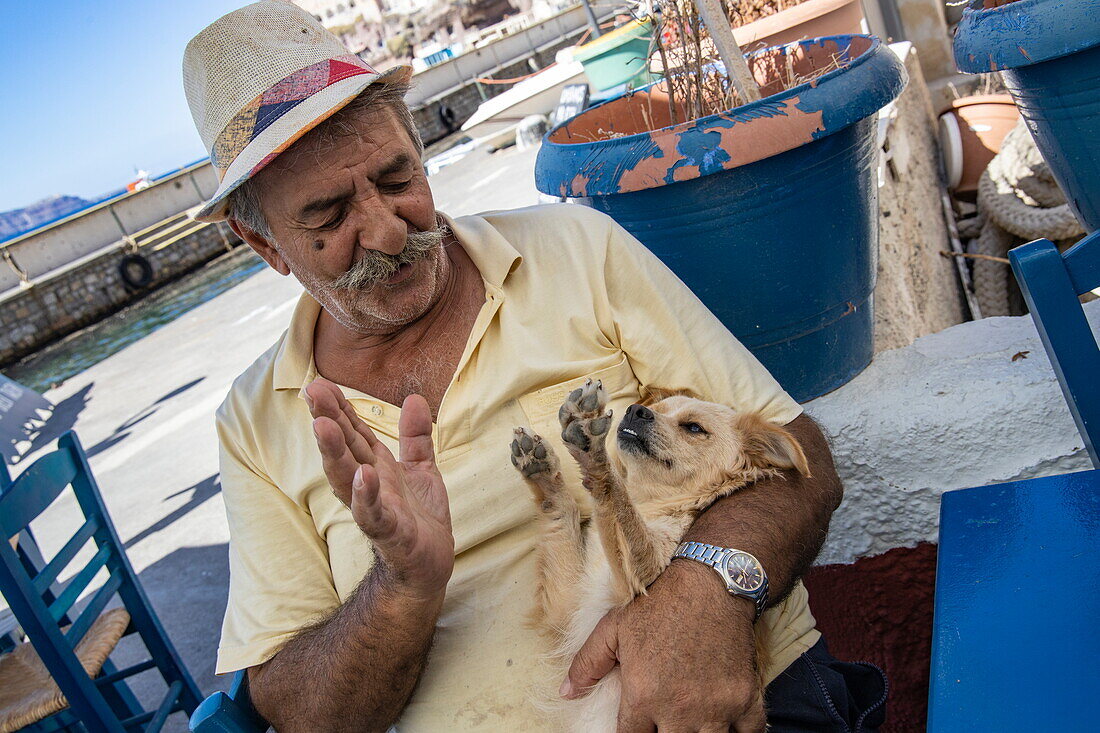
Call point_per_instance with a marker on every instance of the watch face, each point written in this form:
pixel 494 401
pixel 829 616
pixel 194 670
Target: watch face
pixel 745 572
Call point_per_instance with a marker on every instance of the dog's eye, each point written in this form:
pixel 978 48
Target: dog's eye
pixel 693 427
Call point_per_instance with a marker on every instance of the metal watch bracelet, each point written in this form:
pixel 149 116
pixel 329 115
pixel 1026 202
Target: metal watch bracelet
pixel 716 558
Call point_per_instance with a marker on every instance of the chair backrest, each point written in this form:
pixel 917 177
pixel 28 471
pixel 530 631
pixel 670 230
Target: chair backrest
pixel 1051 283
pixel 26 548
pixel 230 712
pixel 8 627
pixel 43 608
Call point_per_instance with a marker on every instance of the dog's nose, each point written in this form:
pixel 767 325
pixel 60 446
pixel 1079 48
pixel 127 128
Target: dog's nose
pixel 639 412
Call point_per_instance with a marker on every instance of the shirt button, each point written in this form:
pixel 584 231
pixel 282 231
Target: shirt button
pixel 376 410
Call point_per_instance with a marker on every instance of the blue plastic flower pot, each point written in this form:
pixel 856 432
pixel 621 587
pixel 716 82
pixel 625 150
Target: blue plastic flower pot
pixel 768 212
pixel 1049 53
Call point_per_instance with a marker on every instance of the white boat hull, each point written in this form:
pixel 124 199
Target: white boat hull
pixel 535 96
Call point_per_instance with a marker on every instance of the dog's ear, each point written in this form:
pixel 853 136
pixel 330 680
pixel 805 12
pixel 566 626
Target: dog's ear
pixel 768 445
pixel 652 395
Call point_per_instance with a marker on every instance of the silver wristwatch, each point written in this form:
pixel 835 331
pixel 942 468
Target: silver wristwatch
pixel 742 573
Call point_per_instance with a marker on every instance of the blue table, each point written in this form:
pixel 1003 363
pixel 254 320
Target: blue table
pixel 1016 644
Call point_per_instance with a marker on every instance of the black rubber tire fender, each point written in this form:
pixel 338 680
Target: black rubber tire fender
pixel 135 271
pixel 447 116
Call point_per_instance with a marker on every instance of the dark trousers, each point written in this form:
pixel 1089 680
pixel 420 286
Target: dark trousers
pixel 818 692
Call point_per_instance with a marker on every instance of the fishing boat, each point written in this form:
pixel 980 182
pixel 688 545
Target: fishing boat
pixel 535 95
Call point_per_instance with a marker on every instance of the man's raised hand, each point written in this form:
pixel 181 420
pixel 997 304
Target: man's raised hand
pixel 401 505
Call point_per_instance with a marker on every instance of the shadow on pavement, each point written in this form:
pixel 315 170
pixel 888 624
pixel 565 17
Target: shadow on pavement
pixel 188 589
pixel 123 431
pixel 207 488
pixel 61 420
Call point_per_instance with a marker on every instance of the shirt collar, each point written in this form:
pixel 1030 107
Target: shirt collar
pixel 494 256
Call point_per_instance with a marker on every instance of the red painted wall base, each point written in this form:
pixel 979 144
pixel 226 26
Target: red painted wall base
pixel 879 609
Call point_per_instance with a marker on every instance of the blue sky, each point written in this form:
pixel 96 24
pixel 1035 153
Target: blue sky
pixel 93 89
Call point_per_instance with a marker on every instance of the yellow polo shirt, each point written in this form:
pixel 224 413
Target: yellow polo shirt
pixel 568 295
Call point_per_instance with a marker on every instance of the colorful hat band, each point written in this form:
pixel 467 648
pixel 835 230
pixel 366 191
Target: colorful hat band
pixel 282 97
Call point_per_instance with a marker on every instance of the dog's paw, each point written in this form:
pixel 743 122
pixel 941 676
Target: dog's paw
pixel 531 456
pixel 583 417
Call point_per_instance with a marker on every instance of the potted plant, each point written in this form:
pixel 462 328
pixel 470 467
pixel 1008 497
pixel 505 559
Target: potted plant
pixel 970 135
pixel 762 23
pixel 766 209
pixel 1048 53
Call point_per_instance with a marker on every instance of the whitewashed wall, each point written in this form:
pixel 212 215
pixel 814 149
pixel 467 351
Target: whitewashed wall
pixel 952 410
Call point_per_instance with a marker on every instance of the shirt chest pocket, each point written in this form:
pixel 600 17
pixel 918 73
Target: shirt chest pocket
pixel 541 408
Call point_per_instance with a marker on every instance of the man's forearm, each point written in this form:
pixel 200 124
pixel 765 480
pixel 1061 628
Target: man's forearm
pixel 782 521
pixel 356 670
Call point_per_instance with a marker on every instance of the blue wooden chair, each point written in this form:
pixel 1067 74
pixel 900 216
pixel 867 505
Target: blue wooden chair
pixel 1014 643
pixel 1051 283
pixel 10 633
pixel 230 712
pixel 47 613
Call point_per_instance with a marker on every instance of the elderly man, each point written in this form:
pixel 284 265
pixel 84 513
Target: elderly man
pixel 382 558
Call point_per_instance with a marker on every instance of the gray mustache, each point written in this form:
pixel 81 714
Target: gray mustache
pixel 377 266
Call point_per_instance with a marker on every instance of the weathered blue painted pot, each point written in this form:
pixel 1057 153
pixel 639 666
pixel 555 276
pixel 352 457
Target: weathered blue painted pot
pixel 768 212
pixel 1049 53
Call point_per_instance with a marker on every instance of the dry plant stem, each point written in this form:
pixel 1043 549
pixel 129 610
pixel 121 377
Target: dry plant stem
pixel 688 48
pixel 835 62
pixel 697 36
pixel 743 12
pixel 675 19
pixel 975 256
pixel 957 248
pixel 737 69
pixel 665 71
pixel 647 118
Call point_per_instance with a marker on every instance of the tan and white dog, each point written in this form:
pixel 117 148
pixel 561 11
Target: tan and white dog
pixel 677 455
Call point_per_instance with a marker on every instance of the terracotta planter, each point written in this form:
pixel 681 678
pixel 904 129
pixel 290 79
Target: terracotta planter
pixel 810 19
pixel 971 134
pixel 768 211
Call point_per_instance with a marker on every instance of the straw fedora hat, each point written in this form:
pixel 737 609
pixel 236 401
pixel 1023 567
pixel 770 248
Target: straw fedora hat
pixel 259 78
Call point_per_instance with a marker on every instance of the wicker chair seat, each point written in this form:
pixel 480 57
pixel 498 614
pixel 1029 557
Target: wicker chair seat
pixel 28 693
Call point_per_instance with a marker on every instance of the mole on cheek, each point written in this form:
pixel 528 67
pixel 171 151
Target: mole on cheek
pixel 318 245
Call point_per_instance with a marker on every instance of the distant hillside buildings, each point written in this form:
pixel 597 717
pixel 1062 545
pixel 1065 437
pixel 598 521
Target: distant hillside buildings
pixel 342 13
pixel 388 32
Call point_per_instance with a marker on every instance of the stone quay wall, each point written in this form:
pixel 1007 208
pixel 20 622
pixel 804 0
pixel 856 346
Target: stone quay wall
pixel 445 95
pixel 39 253
pixel 92 288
